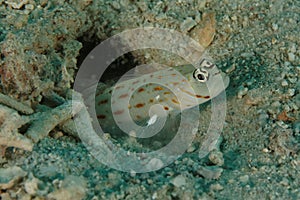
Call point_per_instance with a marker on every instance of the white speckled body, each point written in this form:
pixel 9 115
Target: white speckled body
pixel 174 89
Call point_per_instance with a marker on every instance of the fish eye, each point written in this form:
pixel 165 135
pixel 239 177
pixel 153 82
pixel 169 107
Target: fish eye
pixel 200 75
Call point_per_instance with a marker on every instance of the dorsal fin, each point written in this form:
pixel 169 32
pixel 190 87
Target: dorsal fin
pixel 141 70
pixel 148 68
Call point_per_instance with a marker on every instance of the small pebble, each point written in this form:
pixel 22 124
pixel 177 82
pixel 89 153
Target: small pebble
pixel 29 7
pixel 132 173
pixel 284 83
pixel 191 148
pixel 293 48
pixel 276 104
pixel 210 172
pixel 263 118
pixel 216 187
pixel 179 181
pixel 249 82
pixel 291 57
pixel 293 106
pixel 216 157
pixel 201 4
pixel 265 150
pixel 244 179
pixel 274 27
pixel 284 181
pixel 296 127
pixel 247 54
pixel 155 163
pixel 291 92
pixel 242 91
pixel 230 69
pixel 154 196
pixel 287 108
pixel 282 124
pixel 231 181
pixel 292 80
pixel 141 4
pixel 115 5
pixel 187 24
pixel 234 18
pixel 150 181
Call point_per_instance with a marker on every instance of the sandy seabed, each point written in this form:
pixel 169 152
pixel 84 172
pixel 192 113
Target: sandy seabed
pixel 256 43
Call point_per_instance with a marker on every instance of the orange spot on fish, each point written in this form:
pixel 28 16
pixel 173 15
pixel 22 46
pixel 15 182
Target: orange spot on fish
pixel 151 100
pixel 175 83
pixel 138 117
pixel 174 74
pixel 204 97
pixel 166 108
pixel 103 101
pixel 161 100
pixel 101 116
pixel 139 105
pixel 188 92
pixel 123 96
pixel 135 82
pixel 167 92
pixel 129 106
pixel 158 88
pixel 175 101
pixel 118 112
pixel 141 90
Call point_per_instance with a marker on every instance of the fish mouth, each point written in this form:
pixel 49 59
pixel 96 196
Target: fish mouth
pixel 219 85
pixel 226 79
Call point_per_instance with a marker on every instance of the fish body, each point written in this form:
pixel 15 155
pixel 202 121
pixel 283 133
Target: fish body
pixel 156 94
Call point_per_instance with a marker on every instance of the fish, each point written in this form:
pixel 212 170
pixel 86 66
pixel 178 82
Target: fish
pixel 156 94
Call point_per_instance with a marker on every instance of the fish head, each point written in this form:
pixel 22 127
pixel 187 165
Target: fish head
pixel 206 81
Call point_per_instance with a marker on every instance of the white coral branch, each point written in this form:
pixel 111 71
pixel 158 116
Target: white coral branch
pixel 40 123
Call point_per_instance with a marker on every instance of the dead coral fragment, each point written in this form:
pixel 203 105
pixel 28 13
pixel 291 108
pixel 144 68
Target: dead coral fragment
pixel 73 187
pixel 283 116
pixel 210 172
pixel 17 4
pixel 10 177
pixel 10 121
pixel 40 124
pixel 10 102
pixel 43 123
pixel 204 32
